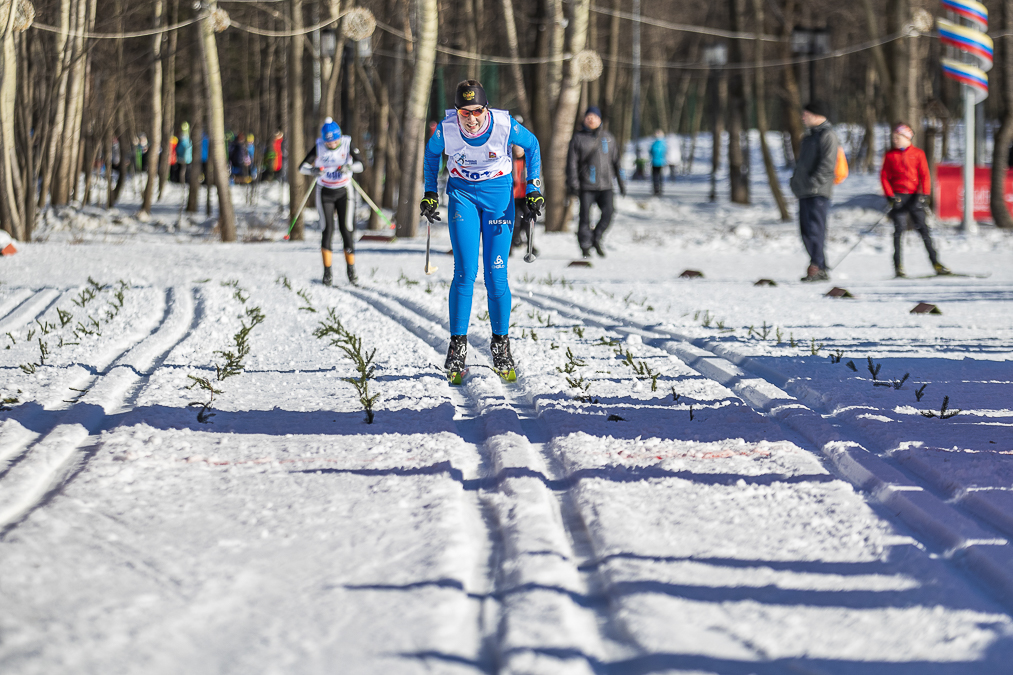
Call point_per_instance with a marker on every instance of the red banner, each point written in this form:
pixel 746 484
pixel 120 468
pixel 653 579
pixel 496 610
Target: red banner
pixel 949 191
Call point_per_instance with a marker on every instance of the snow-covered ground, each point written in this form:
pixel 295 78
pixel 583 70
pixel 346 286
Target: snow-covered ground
pixel 687 477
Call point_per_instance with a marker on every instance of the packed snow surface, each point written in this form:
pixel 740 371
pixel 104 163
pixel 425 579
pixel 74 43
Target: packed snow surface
pixel 692 475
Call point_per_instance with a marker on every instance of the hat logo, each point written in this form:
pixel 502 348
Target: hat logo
pixel 469 95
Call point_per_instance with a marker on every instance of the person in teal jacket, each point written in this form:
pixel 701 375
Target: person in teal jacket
pixel 659 158
pixel 184 152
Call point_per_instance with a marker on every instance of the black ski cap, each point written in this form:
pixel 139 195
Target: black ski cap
pixel 470 94
pixel 818 108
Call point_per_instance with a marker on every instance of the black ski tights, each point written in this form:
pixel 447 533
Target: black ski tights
pixel 331 203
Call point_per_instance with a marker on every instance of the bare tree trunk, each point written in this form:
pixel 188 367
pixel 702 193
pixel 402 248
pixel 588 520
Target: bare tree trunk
pixel 897 12
pixel 558 33
pixel 11 215
pixel 296 131
pixel 155 141
pixel 168 100
pixel 721 105
pixel 66 177
pixel 197 131
pixel 1000 154
pixel 554 170
pixel 60 102
pixel 541 106
pixel 870 119
pixel 381 129
pixel 613 68
pixel 792 98
pixel 334 73
pixel 216 127
pixel 467 8
pixel 25 131
pixel 738 161
pixel 658 77
pixel 410 193
pixel 515 68
pixel 761 116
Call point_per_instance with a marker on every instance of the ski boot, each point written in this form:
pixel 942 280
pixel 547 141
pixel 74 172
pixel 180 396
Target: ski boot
pixel 353 278
pixel 898 272
pixel 456 355
pixel 599 250
pixel 328 279
pixel 502 361
pixel 941 269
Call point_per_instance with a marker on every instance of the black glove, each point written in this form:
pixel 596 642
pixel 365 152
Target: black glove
pixel 535 203
pixel 430 202
pixel 622 187
pixel 923 200
pixel 572 190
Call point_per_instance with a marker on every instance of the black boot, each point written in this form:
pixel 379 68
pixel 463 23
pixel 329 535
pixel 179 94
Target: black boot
pixel 456 355
pixel 353 278
pixel 328 279
pixel 502 361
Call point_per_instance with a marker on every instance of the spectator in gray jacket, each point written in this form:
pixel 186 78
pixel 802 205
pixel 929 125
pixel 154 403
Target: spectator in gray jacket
pixel 813 184
pixel 592 162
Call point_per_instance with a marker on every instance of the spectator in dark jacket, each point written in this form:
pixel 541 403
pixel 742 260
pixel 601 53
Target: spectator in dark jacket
pixel 905 179
pixel 813 184
pixel 592 162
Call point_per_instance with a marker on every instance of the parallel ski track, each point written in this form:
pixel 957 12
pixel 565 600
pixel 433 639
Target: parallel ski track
pixel 965 535
pixel 15 300
pixel 553 615
pixel 43 467
pixel 31 308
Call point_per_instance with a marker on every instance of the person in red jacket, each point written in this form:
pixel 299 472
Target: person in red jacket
pixel 905 178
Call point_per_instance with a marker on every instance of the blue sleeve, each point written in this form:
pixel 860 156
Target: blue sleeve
pixel 519 135
pixel 431 161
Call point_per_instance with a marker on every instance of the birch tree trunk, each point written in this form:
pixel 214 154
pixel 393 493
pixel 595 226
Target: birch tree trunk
pixel 515 68
pixel 216 126
pixel 155 140
pixel 60 103
pixel 381 131
pixel 70 139
pixel 296 132
pixel 413 137
pixel 1000 155
pixel 11 214
pixel 554 170
pixel 761 116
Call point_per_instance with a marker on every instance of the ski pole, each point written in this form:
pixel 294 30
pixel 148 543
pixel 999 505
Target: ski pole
pixel 861 237
pixel 313 186
pixel 529 257
pixel 429 235
pixel 369 201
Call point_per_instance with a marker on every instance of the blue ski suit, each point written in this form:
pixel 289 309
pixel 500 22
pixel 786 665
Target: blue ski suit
pixel 481 208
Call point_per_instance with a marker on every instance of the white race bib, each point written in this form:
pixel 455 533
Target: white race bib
pixel 333 163
pixel 477 163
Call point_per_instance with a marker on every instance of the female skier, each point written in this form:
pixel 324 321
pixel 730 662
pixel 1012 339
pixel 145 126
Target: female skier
pixel 333 160
pixel 477 141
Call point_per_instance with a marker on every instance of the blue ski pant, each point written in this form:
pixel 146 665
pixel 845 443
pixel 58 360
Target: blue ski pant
pixel 480 212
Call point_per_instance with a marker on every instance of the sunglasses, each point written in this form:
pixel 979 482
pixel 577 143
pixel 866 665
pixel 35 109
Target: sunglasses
pixel 471 113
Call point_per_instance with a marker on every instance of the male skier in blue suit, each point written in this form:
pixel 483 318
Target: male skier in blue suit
pixel 477 141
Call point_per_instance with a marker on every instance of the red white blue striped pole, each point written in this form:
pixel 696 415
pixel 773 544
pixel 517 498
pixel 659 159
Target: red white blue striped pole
pixel 966 39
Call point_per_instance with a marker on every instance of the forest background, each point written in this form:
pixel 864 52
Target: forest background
pixel 80 77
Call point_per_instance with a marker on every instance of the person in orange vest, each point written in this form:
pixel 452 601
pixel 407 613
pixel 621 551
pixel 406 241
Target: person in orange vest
pixel 906 184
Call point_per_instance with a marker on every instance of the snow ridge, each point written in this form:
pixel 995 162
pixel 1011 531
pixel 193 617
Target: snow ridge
pixel 982 552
